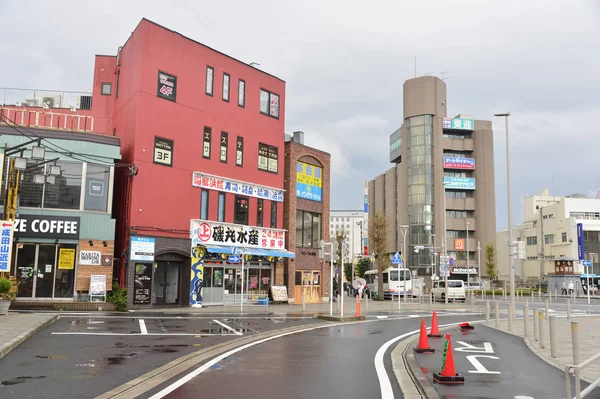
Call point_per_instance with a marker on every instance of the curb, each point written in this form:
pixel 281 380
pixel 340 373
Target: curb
pixel 339 318
pixel 13 343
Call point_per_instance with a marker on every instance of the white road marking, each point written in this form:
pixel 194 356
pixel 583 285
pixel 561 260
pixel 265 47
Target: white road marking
pixel 227 327
pixel 384 380
pixel 147 334
pixel 143 329
pixel 382 317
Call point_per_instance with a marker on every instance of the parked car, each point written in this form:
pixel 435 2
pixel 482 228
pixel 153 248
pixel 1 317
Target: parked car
pixel 456 290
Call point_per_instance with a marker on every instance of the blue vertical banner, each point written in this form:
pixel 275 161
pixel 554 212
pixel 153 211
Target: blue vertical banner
pixel 580 249
pixel 197 277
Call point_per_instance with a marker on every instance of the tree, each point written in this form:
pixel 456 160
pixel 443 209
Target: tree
pixel 348 271
pixel 378 227
pixel 490 262
pixel 362 267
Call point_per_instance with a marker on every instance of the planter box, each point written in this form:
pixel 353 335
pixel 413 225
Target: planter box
pixel 4 305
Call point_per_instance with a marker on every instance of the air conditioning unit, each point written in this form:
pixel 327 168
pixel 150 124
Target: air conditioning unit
pixel 51 101
pixel 31 102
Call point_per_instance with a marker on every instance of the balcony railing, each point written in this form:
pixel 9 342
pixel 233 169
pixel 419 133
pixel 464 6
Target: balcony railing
pixel 52 99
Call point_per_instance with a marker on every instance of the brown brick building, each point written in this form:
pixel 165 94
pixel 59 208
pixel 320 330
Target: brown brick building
pixel 306 219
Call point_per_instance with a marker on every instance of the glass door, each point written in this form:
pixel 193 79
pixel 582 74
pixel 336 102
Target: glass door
pixel 25 265
pixel 44 278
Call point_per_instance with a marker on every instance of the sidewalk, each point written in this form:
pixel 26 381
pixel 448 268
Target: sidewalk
pixel 589 335
pixel 17 327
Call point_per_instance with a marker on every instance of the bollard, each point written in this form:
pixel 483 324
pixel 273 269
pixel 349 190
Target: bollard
pixel 568 308
pixel 541 328
pixel 552 324
pixel 550 296
pixel 510 317
pixel 338 301
pixel 497 313
pixel 531 295
pixel 536 333
pixel 540 294
pixel 487 312
pixel 546 308
pixel 525 319
pixel 367 304
pixel 357 308
pixel 494 294
pixel 575 341
pixel 303 300
pixel 430 299
pixel 393 301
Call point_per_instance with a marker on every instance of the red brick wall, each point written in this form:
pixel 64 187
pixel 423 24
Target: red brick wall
pixel 298 152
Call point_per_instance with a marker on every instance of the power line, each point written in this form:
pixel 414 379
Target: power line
pixel 12 124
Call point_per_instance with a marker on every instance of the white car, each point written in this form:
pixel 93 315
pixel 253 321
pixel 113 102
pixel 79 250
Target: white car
pixel 456 290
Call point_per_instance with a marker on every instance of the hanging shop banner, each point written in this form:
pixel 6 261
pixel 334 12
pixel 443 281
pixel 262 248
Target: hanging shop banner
pixel 142 249
pixel 142 284
pixel 459 123
pixel 459 163
pixel 89 258
pixel 207 233
pixel 580 249
pixel 210 182
pixel 309 181
pixel 167 86
pixel 197 277
pixel 459 183
pixel 66 258
pixel 6 241
pixel 45 226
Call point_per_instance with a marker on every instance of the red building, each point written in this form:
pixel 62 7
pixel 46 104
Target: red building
pixel 204 133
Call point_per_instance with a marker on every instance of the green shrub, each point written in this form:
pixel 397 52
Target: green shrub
pixel 5 287
pixel 118 296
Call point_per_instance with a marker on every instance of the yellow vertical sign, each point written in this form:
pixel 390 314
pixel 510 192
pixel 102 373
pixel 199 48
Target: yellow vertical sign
pixel 66 258
pixel 1 168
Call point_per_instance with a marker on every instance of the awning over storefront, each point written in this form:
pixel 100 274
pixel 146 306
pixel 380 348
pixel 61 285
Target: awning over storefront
pixel 221 249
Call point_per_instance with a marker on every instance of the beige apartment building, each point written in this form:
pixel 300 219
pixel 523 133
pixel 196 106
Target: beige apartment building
pixel 437 158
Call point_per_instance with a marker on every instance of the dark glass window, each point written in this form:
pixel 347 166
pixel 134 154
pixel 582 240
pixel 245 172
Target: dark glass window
pixel 204 205
pixel 259 212
pixel 241 210
pixel 221 215
pixel 273 214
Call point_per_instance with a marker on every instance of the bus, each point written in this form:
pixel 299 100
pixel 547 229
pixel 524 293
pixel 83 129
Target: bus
pixel 392 284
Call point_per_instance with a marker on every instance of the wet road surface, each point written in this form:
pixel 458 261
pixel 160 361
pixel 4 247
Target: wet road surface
pixel 330 362
pixel 82 357
pixel 503 367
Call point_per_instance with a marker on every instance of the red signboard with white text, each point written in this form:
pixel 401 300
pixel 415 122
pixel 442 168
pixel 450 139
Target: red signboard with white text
pixel 205 232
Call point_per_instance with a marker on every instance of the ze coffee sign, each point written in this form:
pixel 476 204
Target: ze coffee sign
pixel 167 86
pixel 210 233
pixel 40 226
pixel 90 258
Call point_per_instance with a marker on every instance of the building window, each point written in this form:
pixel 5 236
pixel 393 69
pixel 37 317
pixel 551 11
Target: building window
pixel 97 180
pixel 106 89
pixel 239 151
pixel 549 239
pixel 225 87
pixel 532 240
pixel 455 194
pixel 532 258
pixel 267 158
pixel 269 103
pixel 65 193
pixel 206 148
pixel 241 210
pixel 564 237
pixel 118 79
pixel 221 214
pixel 457 214
pixel 456 234
pixel 223 153
pixel 241 93
pixel 273 214
pixel 259 212
pixel 210 74
pixel 308 229
pixel 204 205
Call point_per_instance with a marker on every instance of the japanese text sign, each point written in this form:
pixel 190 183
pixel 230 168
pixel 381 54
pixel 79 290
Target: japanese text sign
pixel 231 186
pixel 6 241
pixel 459 124
pixel 459 163
pixel 212 233
pixel 459 183
pixel 309 181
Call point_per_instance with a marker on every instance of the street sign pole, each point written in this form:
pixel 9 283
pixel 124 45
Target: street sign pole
pixel 588 264
pixel 341 285
pixel 242 298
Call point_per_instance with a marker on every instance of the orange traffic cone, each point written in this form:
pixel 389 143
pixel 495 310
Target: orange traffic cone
pixel 423 341
pixel 435 330
pixel 448 374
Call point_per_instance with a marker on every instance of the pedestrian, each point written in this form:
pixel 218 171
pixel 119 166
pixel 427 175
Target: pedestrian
pixel 360 290
pixel 571 287
pixel 564 288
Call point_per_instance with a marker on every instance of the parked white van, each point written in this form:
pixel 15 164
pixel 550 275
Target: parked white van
pixel 456 290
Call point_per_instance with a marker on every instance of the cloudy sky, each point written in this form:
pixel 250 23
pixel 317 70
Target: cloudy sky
pixel 344 62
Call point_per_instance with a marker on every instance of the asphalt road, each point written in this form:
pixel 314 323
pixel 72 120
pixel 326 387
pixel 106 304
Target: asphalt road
pixel 81 357
pixel 504 367
pixel 330 362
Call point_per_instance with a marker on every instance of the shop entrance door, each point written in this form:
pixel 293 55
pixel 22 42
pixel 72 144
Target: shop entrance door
pixel 308 282
pixel 166 283
pixel 35 264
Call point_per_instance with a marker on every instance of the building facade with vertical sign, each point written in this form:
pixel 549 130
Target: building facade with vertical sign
pixel 64 231
pixel 306 221
pixel 437 157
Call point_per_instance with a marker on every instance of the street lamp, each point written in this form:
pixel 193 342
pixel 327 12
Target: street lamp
pixel 510 237
pixel 403 229
pixel 445 247
pixel 352 223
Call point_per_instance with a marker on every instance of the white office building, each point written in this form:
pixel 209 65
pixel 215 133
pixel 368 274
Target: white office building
pixel 354 224
pixel 549 231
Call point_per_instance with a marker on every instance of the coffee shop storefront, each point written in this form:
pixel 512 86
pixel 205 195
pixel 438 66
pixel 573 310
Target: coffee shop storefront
pixel 220 250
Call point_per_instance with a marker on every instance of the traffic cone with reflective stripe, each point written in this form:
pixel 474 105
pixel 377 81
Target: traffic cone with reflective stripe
pixel 435 330
pixel 448 374
pixel 423 341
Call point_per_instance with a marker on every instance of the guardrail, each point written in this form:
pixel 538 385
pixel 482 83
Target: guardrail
pixel 248 300
pixel 576 368
pixel 52 99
